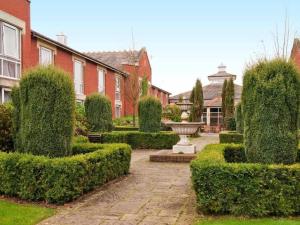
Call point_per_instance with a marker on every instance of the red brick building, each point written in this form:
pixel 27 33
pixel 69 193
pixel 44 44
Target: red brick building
pixel 21 48
pixel 132 62
pixel 295 53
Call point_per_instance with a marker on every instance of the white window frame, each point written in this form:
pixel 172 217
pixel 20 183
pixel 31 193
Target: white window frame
pixel 118 88
pixel 17 39
pixel 42 48
pixel 2 93
pixel 81 84
pixel 13 59
pixel 104 78
pixel 118 113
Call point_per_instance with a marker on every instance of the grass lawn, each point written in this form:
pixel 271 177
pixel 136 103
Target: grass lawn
pixel 246 221
pixel 22 214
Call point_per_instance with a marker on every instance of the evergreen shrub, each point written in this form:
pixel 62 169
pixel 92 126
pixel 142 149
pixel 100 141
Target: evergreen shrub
pixel 43 113
pixel 149 110
pixel 270 103
pixel 98 113
pixel 6 128
pixel 60 180
pixel 225 184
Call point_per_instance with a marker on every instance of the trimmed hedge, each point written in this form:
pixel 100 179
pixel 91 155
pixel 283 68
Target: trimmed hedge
pixel 59 180
pixel 98 113
pixel 230 137
pixel 44 107
pixel 150 111
pixel 244 188
pixel 80 139
pixel 6 128
pixel 125 128
pixel 271 104
pixel 141 140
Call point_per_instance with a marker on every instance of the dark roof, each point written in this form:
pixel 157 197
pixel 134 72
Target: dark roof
pixel 222 74
pixel 211 91
pixel 162 90
pixel 117 58
pixel 56 43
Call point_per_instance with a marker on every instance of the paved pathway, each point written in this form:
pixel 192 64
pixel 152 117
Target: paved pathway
pixel 153 193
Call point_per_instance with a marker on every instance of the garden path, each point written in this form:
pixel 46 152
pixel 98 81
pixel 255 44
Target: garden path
pixel 153 193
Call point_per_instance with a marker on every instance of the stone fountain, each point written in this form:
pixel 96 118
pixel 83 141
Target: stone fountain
pixel 183 129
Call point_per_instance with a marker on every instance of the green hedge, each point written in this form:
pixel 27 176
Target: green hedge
pixel 244 188
pixel 150 110
pixel 6 128
pixel 98 113
pixel 44 106
pixel 230 137
pixel 125 128
pixel 271 105
pixel 59 180
pixel 80 139
pixel 141 140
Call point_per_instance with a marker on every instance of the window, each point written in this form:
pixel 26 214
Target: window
pixel 11 41
pixel 46 56
pixel 78 76
pixel 101 81
pixel 5 95
pixel 118 89
pixel 118 111
pixel 10 60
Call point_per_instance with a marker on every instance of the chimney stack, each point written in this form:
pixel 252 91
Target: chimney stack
pixel 62 38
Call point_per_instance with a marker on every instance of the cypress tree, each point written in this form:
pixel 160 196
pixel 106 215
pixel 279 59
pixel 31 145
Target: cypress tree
pixel 197 100
pixel 239 118
pixel 229 99
pixel 145 86
pixel 229 106
pixel 223 101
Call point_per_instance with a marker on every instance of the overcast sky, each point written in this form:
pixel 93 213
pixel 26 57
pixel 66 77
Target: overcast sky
pixel 185 39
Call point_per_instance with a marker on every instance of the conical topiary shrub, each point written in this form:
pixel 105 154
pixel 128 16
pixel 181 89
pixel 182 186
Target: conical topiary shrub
pixel 270 103
pixel 43 116
pixel 150 111
pixel 98 113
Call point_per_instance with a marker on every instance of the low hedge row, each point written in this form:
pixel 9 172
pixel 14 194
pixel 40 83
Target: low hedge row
pixel 230 137
pixel 141 140
pixel 125 128
pixel 59 180
pixel 243 188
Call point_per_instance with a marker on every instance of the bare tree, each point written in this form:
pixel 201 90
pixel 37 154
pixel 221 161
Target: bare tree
pixel 133 87
pixel 282 45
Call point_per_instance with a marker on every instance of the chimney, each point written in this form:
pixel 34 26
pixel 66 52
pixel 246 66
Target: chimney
pixel 62 38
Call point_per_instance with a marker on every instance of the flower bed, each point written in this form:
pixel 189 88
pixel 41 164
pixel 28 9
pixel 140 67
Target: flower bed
pixel 59 180
pixel 244 188
pixel 140 140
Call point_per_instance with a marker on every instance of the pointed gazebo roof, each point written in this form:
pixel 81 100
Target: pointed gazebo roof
pixel 221 75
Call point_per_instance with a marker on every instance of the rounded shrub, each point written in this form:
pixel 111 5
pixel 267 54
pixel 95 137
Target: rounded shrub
pixel 270 103
pixel 172 112
pixel 239 118
pixel 6 128
pixel 150 110
pixel 44 112
pixel 98 113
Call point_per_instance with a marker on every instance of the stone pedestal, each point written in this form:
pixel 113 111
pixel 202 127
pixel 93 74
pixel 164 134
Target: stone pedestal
pixel 184 149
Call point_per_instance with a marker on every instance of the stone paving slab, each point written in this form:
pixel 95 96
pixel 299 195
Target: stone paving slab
pixel 153 193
